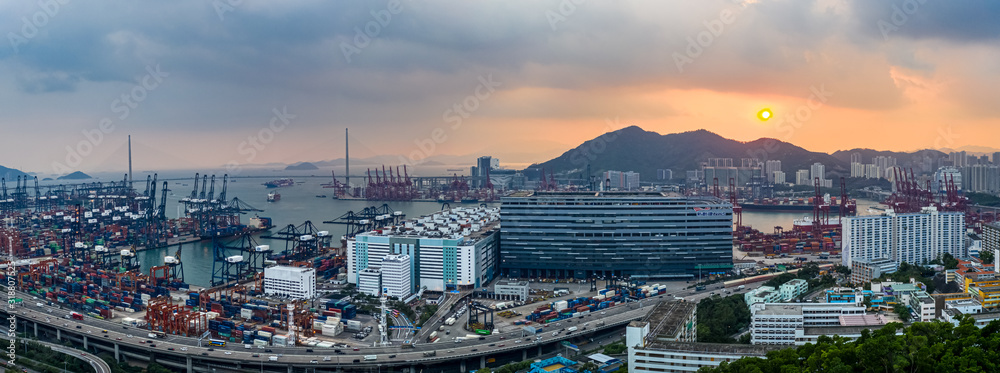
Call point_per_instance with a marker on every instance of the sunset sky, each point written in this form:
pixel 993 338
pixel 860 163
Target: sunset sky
pixel 201 78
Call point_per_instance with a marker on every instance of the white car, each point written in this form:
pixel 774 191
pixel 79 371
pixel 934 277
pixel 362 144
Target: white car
pixel 184 348
pixel 517 341
pixel 229 352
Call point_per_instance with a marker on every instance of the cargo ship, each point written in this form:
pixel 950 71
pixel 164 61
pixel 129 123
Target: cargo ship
pixel 796 205
pixel 279 183
pixel 273 197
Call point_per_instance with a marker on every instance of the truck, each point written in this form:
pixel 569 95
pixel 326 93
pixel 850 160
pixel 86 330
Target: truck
pixel 370 357
pixel 450 321
pixel 272 358
pixel 430 353
pixel 76 316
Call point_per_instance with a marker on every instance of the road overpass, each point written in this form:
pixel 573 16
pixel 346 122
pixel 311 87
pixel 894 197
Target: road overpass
pixel 183 354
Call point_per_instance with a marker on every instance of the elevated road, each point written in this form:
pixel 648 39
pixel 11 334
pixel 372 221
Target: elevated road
pixel 183 353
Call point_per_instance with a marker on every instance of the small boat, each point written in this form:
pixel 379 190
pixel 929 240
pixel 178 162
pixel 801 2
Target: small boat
pixel 321 196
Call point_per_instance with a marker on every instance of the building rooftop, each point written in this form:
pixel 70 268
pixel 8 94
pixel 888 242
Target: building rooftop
pixel 668 317
pixel 615 194
pixel 714 348
pixel 512 283
pixel 290 269
pixel 779 309
pixel 839 330
pixel 468 225
pixel 985 316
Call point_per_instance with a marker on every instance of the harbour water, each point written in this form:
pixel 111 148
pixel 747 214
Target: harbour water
pixel 299 203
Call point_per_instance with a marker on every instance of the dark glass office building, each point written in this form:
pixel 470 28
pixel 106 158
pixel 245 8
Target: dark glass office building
pixel 602 234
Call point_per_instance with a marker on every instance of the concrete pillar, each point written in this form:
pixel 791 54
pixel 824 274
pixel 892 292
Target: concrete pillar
pixel 413 369
pixel 539 350
pixel 462 369
pixel 524 354
pixel 58 334
pixel 85 347
pixel 289 369
pixel 116 353
pixel 190 366
pixel 36 330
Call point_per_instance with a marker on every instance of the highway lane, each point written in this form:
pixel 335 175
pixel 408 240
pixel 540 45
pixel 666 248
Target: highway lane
pixel 298 355
pixel 100 366
pixel 445 349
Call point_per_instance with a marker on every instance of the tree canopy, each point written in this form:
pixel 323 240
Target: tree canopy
pixel 922 347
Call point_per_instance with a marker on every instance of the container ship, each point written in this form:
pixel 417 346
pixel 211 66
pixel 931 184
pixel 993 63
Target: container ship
pixel 273 197
pixel 279 183
pixel 796 205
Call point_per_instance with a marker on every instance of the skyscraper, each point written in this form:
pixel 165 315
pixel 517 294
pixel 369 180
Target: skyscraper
pixel 915 238
pixel 770 167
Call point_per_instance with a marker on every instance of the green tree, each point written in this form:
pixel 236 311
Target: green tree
pixel 986 256
pixel 903 311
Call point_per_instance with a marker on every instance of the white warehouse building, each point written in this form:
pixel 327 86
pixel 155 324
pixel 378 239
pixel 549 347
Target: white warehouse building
pixel 294 282
pixel 455 249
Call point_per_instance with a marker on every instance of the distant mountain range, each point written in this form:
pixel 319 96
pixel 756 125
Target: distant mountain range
pixel 303 166
pixel 75 176
pixel 11 173
pixel 635 149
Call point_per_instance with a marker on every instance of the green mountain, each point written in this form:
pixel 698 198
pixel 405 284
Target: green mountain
pixel 635 149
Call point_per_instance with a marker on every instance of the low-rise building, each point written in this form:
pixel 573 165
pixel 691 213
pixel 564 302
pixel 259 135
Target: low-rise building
pixel 793 289
pixel 864 271
pixel 763 294
pixel 785 323
pixel 922 305
pixel 515 289
pixel 647 354
pixel 370 281
pixel 293 282
pixel 396 276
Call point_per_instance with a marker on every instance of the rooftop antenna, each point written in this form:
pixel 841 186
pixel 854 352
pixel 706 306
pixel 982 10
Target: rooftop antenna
pixel 347 160
pixel 130 161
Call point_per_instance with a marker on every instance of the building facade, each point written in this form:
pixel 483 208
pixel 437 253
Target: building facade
pixel 515 289
pixel 455 249
pixel 793 289
pixel 581 235
pixel 293 282
pixel 617 180
pixel 865 270
pixel 369 281
pixel 991 237
pixel 396 276
pixel 784 323
pixel 915 238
